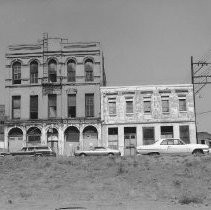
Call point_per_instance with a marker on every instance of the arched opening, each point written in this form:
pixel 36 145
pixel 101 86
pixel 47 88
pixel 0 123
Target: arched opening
pixel 16 73
pixel 53 138
pixel 90 137
pixel 15 139
pixel 88 66
pixel 33 135
pixel 71 67
pixel 34 72
pixel 72 137
pixel 52 71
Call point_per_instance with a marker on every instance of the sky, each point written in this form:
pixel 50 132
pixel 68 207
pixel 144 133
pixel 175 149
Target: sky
pixel 144 41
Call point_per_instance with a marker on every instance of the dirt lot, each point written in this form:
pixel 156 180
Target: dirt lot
pixel 143 182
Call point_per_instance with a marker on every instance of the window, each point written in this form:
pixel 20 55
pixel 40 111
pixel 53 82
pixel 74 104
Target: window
pixel 147 106
pixel 52 71
pixel 71 66
pixel 165 104
pixel 16 68
pixel 182 105
pixel 16 107
pixel 89 105
pixel 34 107
pixel 34 72
pixel 33 136
pixel 113 138
pixel 72 105
pixel 52 106
pixel 148 135
pixel 167 132
pixel 129 105
pixel 112 106
pixel 184 133
pixel 88 66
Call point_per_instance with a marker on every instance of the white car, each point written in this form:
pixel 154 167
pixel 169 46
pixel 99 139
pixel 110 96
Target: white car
pixel 171 146
pixel 98 151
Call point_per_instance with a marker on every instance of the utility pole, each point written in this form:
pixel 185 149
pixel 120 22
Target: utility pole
pixel 200 77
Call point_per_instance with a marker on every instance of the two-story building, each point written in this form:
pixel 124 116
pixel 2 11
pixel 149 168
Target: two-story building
pixel 53 94
pixel 140 115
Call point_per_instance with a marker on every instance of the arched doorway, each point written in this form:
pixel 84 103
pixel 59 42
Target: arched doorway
pixel 72 136
pixel 90 137
pixel 15 139
pixel 33 136
pixel 52 139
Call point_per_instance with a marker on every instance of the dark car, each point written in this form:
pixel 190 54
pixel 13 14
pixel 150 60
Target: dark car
pixel 33 151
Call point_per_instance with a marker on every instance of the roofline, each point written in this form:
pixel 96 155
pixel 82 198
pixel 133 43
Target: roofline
pixel 156 86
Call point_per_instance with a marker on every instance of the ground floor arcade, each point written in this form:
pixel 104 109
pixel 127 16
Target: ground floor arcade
pixel 63 138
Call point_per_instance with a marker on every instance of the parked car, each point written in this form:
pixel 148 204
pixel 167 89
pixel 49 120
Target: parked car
pixel 32 151
pixel 98 151
pixel 170 146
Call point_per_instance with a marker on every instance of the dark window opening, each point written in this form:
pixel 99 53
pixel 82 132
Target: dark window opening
pixel 72 134
pixel 184 133
pixel 34 135
pixel 34 107
pixel 129 107
pixel 182 105
pixel 72 105
pixel 34 72
pixel 167 132
pixel 148 135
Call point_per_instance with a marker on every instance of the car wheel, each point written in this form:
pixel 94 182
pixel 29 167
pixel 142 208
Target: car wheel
pixel 83 155
pixel 110 155
pixel 198 152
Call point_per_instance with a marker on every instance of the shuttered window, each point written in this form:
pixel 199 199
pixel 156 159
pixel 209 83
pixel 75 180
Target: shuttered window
pixel 165 105
pixel 182 105
pixel 16 107
pixel 89 105
pixel 147 106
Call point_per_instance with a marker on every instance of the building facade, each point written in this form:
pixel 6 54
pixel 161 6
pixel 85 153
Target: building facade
pixel 134 116
pixel 53 94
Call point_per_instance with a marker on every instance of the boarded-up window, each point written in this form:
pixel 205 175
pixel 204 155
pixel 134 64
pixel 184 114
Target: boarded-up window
pixel 89 105
pixel 72 105
pixel 34 72
pixel 88 66
pixel 184 133
pixel 112 106
pixel 52 71
pixel 182 105
pixel 148 135
pixel 147 106
pixel 52 105
pixel 16 68
pixel 71 67
pixel 113 138
pixel 34 107
pixel 165 105
pixel 16 107
pixel 129 105
pixel 167 132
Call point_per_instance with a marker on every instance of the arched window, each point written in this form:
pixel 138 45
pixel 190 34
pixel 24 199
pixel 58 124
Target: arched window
pixel 16 73
pixel 88 66
pixel 52 71
pixel 34 135
pixel 34 72
pixel 71 67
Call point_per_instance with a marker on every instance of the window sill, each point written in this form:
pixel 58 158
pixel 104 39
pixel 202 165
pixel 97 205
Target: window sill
pixel 182 111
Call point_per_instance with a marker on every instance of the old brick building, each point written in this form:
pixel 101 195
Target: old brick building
pixel 53 94
pixel 132 116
